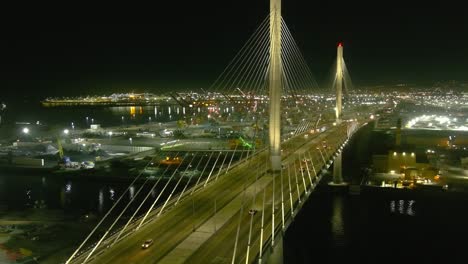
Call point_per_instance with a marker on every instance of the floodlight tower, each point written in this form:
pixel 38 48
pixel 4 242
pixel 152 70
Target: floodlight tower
pixel 275 85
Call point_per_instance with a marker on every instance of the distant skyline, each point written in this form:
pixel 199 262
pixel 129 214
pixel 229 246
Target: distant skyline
pixel 186 45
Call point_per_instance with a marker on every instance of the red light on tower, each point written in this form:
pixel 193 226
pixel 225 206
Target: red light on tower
pixel 340 44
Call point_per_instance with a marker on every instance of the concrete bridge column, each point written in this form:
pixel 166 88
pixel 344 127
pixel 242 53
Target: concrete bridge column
pixel 339 82
pixel 275 85
pixel 337 174
pixel 275 254
pixel 337 171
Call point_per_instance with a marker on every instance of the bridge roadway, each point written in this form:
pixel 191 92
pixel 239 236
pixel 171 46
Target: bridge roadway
pixel 195 212
pixel 220 247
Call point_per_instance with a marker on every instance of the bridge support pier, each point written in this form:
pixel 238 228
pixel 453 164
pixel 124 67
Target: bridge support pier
pixel 275 254
pixel 337 172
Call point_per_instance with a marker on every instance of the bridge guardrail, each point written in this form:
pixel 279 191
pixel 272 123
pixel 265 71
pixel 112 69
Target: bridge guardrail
pixel 169 206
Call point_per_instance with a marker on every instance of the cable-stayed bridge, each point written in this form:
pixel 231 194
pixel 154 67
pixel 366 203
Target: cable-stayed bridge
pixel 241 201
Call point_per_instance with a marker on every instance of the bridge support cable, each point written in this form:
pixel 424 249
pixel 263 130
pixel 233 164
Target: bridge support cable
pixel 308 172
pixel 203 171
pixel 249 241
pixel 348 82
pixel 290 192
pixel 291 69
pixel 106 215
pixel 282 199
pixel 305 68
pixel 240 159
pixel 158 197
pixel 110 228
pixel 190 179
pixel 262 227
pixel 303 179
pixel 253 38
pixel 309 126
pixel 120 215
pixel 140 205
pixel 302 173
pixel 258 80
pixel 211 172
pixel 246 64
pixel 273 211
pixel 306 126
pixel 252 63
pixel 221 167
pixel 239 225
pixel 303 127
pixel 326 154
pixel 232 157
pixel 312 163
pixel 323 158
pixel 260 84
pixel 242 154
pixel 253 207
pixel 256 66
pixel 289 78
pixel 297 184
pixel 151 190
pixel 254 201
pixel 175 187
pixel 300 128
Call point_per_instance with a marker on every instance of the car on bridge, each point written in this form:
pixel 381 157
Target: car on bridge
pixel 147 243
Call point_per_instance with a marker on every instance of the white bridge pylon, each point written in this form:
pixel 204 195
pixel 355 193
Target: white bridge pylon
pixel 275 85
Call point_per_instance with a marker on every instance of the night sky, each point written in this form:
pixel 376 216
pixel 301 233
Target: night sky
pixel 77 50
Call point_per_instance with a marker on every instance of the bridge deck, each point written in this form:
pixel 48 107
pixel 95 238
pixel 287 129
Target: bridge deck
pixel 173 232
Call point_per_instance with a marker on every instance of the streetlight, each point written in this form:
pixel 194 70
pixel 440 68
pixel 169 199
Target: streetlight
pixel 130 139
pixel 66 131
pixel 26 130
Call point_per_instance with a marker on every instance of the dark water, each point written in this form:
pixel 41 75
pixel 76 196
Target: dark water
pixel 85 192
pixel 377 227
pixel 20 191
pixel 83 116
pixel 29 109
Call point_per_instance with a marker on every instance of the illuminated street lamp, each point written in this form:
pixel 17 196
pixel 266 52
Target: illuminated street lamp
pixel 131 140
pixel 26 130
pixel 66 131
